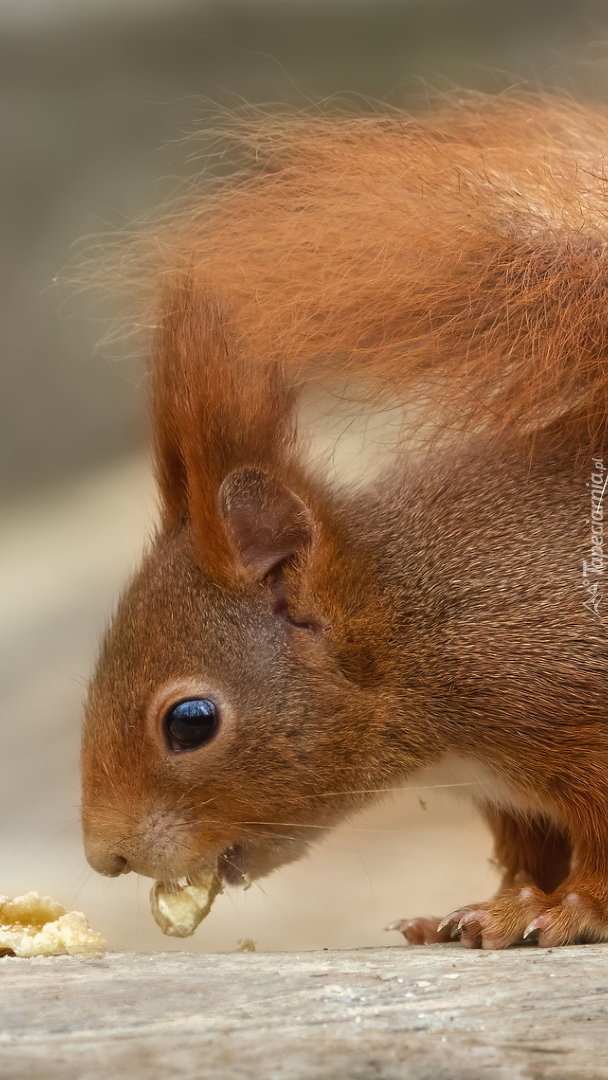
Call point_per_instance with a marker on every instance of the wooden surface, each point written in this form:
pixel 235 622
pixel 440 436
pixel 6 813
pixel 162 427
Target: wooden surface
pixel 433 1013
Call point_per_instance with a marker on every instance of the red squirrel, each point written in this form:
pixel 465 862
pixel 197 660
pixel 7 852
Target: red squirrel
pixel 290 648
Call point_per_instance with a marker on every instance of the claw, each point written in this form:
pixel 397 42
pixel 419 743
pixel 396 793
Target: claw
pixel 536 924
pixel 468 919
pixel 399 924
pixel 444 922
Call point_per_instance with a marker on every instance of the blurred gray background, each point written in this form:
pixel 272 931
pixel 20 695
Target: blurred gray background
pixel 97 103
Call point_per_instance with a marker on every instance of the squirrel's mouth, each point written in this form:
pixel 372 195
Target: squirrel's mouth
pixel 233 866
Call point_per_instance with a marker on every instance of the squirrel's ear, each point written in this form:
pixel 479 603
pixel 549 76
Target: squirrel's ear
pixel 266 520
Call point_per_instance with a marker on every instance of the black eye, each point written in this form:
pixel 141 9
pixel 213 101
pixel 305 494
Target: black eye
pixel 191 724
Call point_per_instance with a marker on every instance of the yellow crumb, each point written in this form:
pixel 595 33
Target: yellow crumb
pixel 178 910
pixel 33 925
pixel 246 945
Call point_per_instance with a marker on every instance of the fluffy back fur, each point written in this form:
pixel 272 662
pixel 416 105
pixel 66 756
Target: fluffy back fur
pixel 463 253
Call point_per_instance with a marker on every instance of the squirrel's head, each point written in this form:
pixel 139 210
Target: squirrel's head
pixel 235 710
pixel 231 721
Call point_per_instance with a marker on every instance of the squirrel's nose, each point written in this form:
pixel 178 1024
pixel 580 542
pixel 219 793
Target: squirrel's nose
pixel 107 862
pixel 112 865
pixel 116 865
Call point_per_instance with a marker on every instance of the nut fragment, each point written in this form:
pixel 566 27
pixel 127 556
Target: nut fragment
pixel 33 925
pixel 178 910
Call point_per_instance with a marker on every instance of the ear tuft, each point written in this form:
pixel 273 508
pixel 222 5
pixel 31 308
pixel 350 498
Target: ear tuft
pixel 267 521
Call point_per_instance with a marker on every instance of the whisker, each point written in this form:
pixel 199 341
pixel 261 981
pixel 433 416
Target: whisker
pixel 255 883
pixel 369 880
pixel 74 676
pixel 185 847
pixel 308 825
pixel 124 813
pixel 389 790
pixel 82 879
pixel 259 835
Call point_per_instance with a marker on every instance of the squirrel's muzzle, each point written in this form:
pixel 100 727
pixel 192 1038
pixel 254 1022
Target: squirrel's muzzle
pixel 105 861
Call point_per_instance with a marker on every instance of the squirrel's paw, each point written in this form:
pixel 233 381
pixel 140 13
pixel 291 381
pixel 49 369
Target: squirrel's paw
pixel 421 931
pixel 528 915
pixel 504 921
pixel 570 918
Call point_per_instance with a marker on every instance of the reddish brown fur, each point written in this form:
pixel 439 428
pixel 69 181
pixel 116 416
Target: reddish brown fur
pixel 353 637
pixel 209 417
pixel 469 244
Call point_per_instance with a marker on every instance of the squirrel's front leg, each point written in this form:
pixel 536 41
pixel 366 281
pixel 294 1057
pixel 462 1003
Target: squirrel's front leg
pixel 575 913
pixel 534 857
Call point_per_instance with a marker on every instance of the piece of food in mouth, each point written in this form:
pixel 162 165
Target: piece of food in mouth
pixel 178 909
pixel 33 925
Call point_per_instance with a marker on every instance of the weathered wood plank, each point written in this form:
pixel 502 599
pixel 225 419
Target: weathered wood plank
pixel 433 1013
